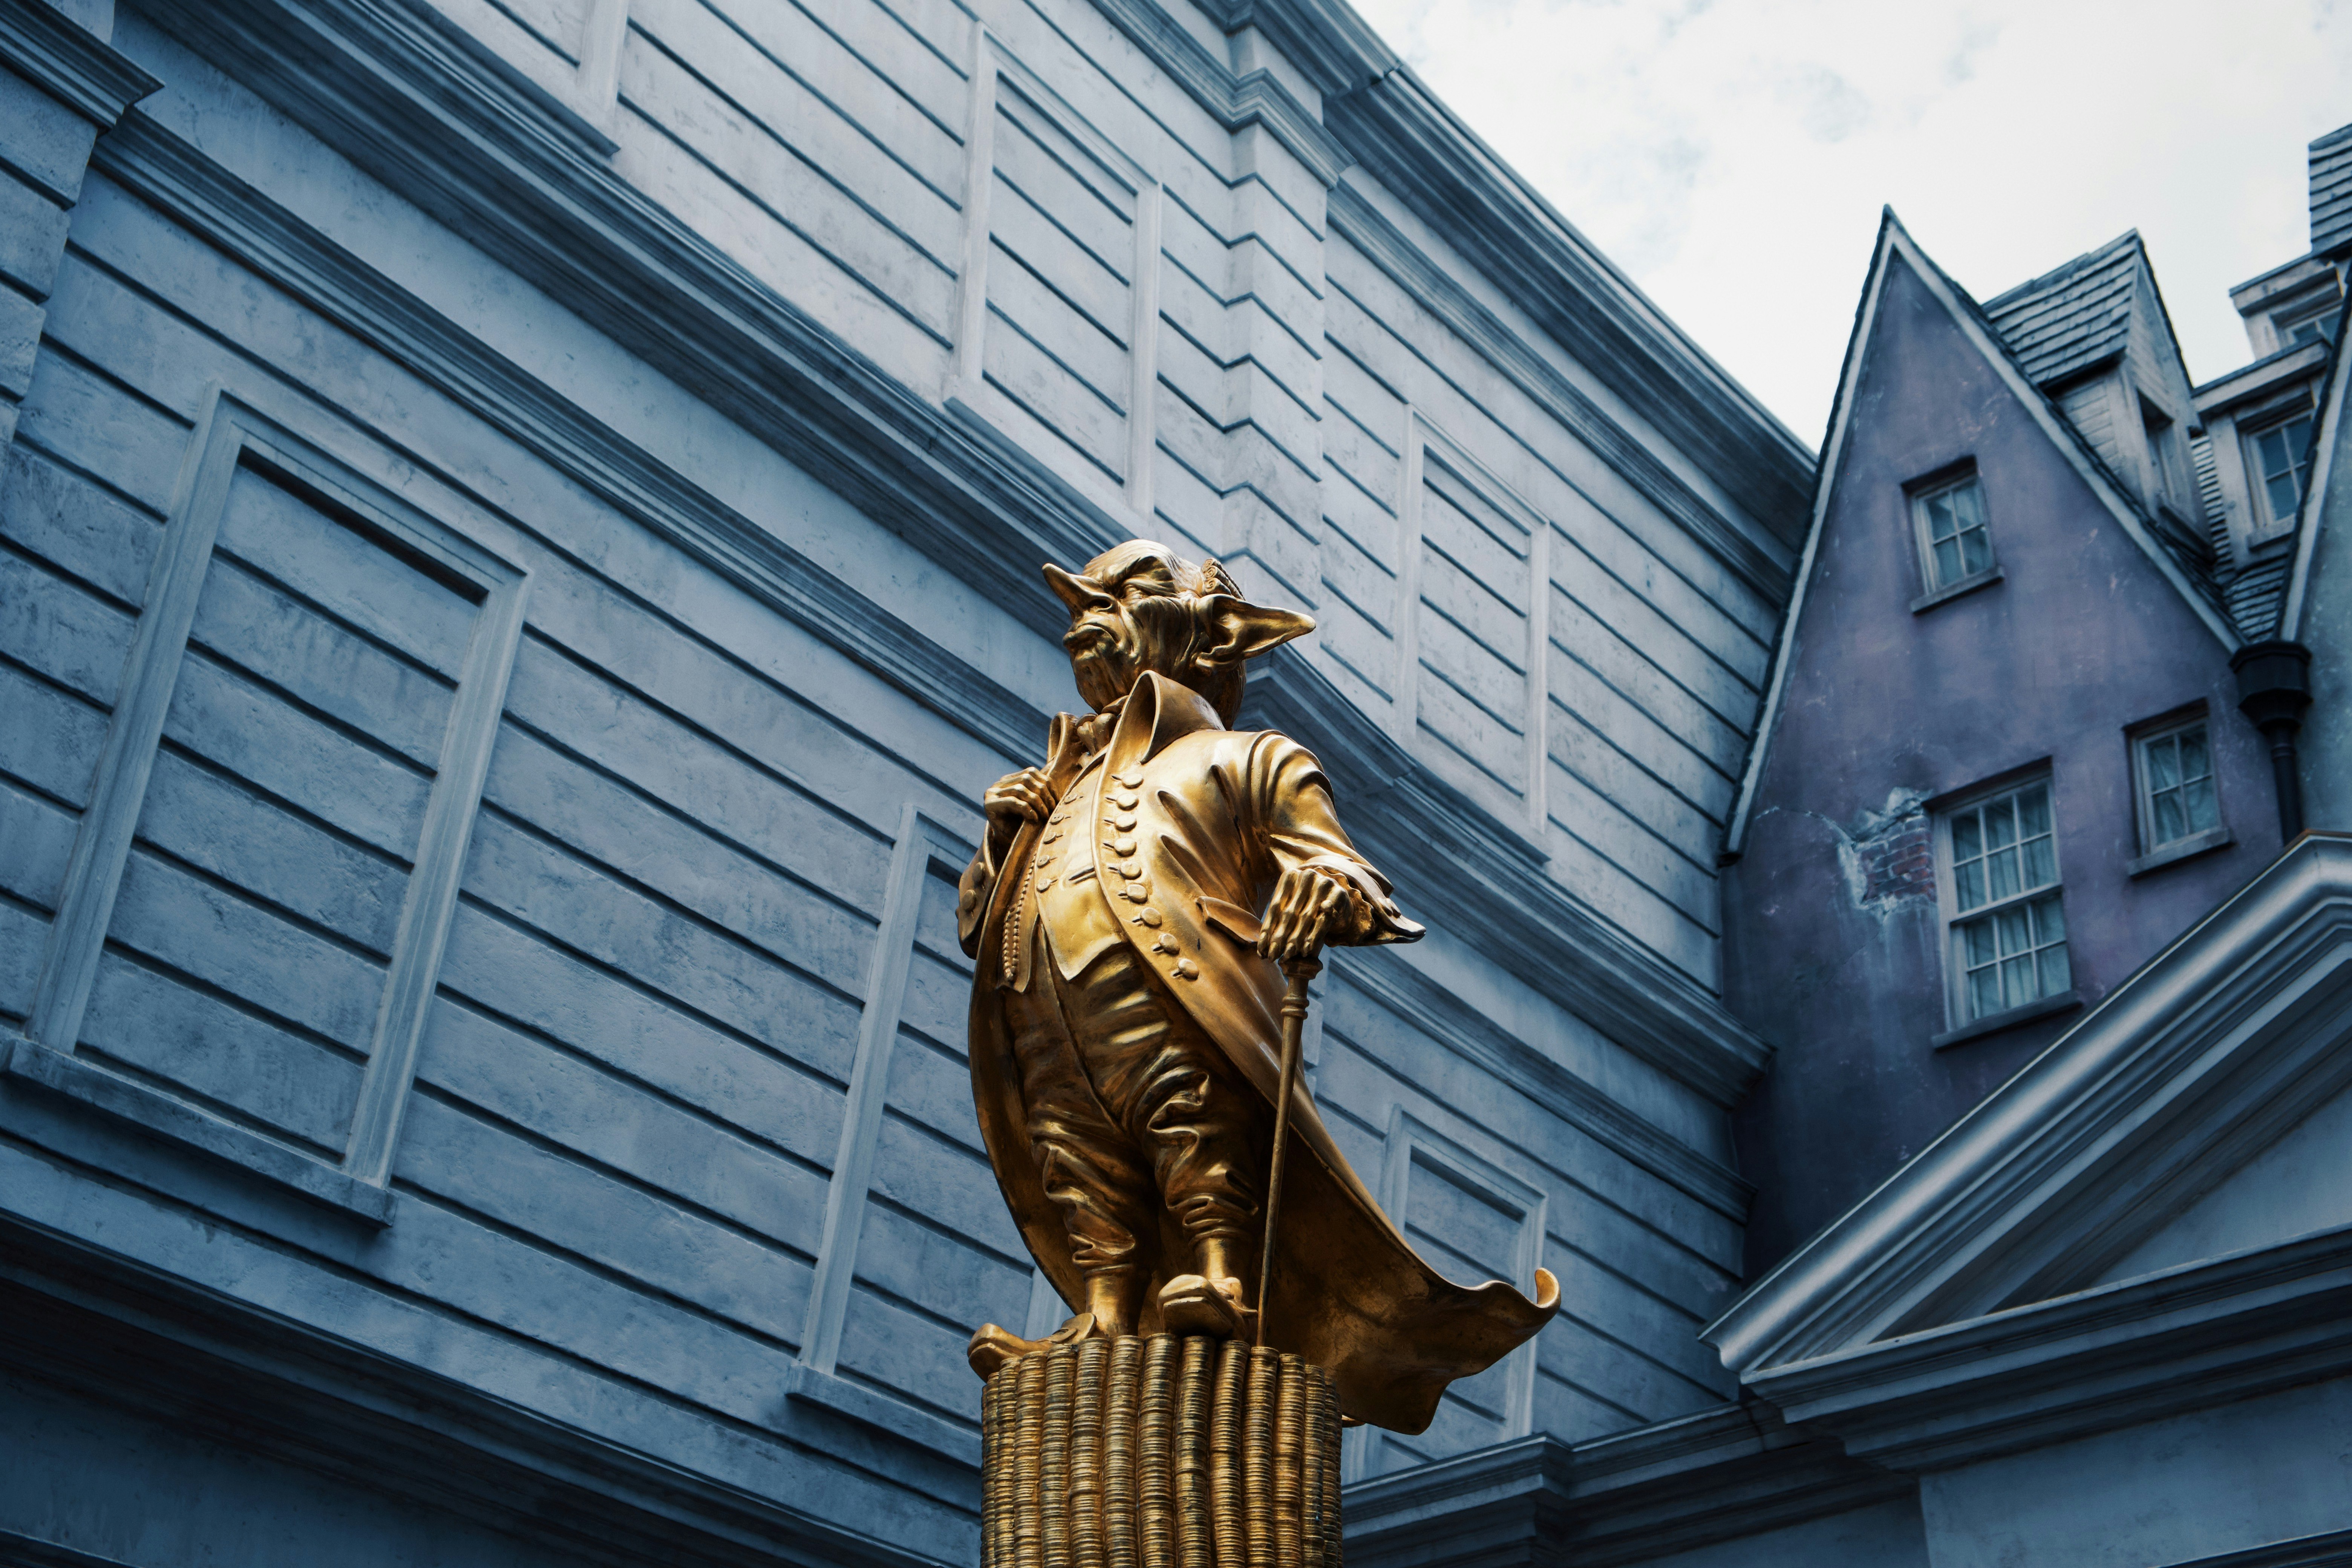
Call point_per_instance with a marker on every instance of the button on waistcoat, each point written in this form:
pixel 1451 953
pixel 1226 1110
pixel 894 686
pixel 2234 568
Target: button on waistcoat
pixel 1092 826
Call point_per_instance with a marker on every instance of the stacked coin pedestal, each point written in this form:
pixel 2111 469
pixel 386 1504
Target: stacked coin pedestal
pixel 1160 1453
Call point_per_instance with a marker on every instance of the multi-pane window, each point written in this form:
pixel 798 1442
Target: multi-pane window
pixel 1952 537
pixel 2009 932
pixel 2176 786
pixel 2281 455
pixel 2306 323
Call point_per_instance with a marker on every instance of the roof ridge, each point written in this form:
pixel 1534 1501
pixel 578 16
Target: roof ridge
pixel 2198 572
pixel 2128 240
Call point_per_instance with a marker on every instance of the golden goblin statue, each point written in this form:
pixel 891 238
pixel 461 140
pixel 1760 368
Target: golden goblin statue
pixel 1124 1013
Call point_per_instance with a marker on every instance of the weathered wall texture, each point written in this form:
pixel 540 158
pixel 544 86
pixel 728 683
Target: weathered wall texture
pixel 1835 942
pixel 511 595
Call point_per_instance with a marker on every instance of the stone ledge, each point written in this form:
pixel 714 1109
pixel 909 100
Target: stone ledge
pixel 191 1127
pixel 2008 1018
pixel 1726 1473
pixel 883 1413
pixel 73 64
pixel 2172 853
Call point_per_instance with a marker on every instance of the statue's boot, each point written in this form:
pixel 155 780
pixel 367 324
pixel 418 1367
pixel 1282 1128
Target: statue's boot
pixel 993 1348
pixel 1197 1304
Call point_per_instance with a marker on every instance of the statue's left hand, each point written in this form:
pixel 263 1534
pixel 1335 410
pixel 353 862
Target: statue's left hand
pixel 1307 902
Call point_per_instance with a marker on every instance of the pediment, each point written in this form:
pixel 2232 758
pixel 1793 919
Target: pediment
pixel 2301 1183
pixel 2200 1110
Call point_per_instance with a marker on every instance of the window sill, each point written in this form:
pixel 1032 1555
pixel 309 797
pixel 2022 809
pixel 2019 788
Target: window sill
pixel 2263 540
pixel 62 1073
pixel 2184 849
pixel 2065 1001
pixel 1984 579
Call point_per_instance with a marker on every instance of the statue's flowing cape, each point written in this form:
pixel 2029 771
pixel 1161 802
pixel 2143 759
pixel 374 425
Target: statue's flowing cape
pixel 1222 814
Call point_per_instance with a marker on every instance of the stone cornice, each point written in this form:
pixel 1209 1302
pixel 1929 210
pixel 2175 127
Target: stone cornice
pixel 1233 101
pixel 1728 1473
pixel 1412 270
pixel 1456 864
pixel 2329 1549
pixel 2123 1355
pixel 71 62
pixel 1416 147
pixel 2295 363
pixel 1337 48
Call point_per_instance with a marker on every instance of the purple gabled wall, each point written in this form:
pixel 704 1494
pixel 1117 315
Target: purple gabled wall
pixel 1833 946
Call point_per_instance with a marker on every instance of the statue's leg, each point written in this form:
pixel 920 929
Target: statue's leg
pixel 1089 1167
pixel 1200 1128
pixel 1168 1088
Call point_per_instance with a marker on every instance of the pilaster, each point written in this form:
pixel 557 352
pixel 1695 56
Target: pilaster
pixel 61 86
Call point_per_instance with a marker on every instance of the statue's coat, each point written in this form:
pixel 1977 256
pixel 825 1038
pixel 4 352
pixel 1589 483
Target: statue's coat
pixel 1221 814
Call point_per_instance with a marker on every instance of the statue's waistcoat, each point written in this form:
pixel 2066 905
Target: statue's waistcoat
pixel 1082 877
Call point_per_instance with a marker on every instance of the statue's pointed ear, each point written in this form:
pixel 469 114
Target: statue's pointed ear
pixel 1074 591
pixel 1239 631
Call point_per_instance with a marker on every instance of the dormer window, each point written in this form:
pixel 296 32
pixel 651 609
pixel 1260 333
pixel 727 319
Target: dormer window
pixel 2278 459
pixel 1955 546
pixel 2311 321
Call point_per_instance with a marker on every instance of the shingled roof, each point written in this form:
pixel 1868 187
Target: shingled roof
pixel 2331 189
pixel 2073 318
pixel 2254 596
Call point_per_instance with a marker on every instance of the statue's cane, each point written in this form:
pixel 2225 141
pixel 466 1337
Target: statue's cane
pixel 1293 1036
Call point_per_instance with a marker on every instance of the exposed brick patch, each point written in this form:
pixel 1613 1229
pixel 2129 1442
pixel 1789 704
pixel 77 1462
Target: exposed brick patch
pixel 1900 862
pixel 1888 856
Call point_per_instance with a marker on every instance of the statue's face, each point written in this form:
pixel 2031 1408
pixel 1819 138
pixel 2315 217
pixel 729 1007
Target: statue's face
pixel 1127 615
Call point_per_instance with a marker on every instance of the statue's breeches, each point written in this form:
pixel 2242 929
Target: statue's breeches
pixel 1130 1108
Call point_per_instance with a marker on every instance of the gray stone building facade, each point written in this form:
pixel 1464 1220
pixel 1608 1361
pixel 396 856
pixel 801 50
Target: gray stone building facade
pixel 522 523
pixel 522 526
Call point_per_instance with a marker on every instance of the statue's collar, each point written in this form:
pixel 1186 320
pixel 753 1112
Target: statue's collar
pixel 1158 712
pixel 1154 714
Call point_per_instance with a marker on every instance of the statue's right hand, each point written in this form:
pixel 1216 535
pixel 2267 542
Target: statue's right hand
pixel 1013 799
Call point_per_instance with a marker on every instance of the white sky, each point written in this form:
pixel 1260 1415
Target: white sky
pixel 1732 155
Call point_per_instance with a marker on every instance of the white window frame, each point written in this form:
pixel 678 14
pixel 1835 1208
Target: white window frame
pixel 2319 311
pixel 2268 521
pixel 1956 920
pixel 1917 497
pixel 2153 851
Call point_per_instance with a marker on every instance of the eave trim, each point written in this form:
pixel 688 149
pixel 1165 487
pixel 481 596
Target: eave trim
pixel 1865 317
pixel 2313 515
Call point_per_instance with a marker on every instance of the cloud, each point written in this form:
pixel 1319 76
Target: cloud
pixel 1733 156
pixel 1827 105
